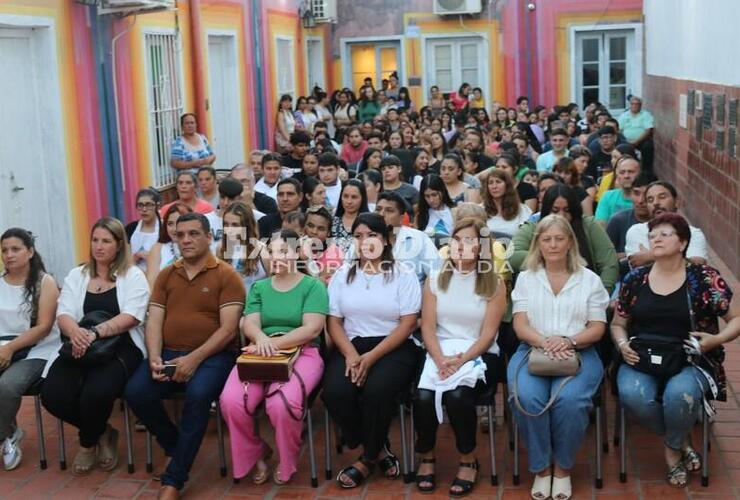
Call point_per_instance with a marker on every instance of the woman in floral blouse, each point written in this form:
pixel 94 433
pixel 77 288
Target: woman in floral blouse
pixel 679 301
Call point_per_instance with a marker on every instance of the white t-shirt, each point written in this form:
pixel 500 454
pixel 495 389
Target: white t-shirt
pixel 332 194
pixel 370 305
pixel 499 225
pixel 638 235
pixel 456 318
pixel 143 242
pixel 440 220
pixel 582 299
pixel 15 319
pixel 262 187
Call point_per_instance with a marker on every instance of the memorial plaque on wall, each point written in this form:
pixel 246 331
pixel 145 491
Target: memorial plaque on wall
pixel 733 112
pixel 706 114
pixel 691 101
pixel 719 109
pixel 732 142
pixel 720 139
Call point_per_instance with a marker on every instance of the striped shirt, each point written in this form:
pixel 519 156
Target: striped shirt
pixel 582 299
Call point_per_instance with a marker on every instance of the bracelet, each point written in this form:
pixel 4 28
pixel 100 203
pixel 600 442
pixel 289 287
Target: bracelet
pixel 622 342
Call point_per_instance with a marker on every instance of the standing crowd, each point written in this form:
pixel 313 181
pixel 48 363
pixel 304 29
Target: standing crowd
pixel 436 250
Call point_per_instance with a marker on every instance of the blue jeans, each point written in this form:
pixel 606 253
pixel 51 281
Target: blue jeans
pixel 669 409
pixel 558 433
pixel 145 395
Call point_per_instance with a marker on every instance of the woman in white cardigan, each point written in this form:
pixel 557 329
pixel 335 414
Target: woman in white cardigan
pixel 83 393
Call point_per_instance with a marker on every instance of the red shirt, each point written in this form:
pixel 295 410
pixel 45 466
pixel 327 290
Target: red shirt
pixel 201 207
pixel 351 154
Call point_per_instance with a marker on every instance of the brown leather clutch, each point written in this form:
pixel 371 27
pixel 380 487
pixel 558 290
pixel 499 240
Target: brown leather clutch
pixel 278 368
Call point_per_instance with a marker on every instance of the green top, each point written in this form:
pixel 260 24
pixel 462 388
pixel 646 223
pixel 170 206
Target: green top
pixel 602 250
pixel 368 110
pixel 281 312
pixel 610 203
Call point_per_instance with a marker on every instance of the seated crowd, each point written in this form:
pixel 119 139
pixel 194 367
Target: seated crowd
pixel 383 243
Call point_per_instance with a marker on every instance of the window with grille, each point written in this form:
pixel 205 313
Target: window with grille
pixel 285 66
pixel 165 102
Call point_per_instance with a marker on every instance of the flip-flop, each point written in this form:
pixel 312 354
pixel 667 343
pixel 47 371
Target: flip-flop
pixel 84 461
pixel 108 451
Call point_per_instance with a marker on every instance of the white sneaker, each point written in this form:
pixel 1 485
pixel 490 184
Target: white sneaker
pixel 12 452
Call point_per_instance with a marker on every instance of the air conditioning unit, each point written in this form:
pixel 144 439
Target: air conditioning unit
pixel 456 7
pixel 134 6
pixel 324 10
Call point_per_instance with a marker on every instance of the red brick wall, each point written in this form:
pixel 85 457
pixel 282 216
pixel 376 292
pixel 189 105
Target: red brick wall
pixel 707 178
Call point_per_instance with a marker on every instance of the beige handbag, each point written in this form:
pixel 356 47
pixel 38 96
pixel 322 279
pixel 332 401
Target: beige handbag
pixel 542 365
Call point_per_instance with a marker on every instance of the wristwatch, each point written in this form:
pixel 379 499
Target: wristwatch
pixel 94 329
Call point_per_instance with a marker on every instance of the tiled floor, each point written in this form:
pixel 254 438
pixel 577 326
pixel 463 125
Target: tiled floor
pixel 645 464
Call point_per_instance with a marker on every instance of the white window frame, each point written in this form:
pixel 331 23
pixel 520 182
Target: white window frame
pixel 322 57
pixel 633 67
pixel 345 45
pixel 291 65
pixel 163 175
pixel 429 67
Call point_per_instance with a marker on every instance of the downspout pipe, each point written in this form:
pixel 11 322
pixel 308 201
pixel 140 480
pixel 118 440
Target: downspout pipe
pixel 259 73
pixel 198 67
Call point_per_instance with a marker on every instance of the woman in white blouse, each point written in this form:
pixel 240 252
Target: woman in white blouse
pixel 559 307
pixel 373 308
pixel 28 333
pixel 81 393
pixel 501 201
pixel 458 335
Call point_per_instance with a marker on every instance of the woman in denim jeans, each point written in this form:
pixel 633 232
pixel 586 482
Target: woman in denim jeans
pixel 655 300
pixel 560 307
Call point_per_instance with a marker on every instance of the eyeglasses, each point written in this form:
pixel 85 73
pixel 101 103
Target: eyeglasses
pixel 663 234
pixel 143 206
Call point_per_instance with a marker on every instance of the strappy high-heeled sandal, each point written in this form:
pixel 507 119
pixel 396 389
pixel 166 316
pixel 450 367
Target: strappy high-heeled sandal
pixel 466 487
pixel 426 478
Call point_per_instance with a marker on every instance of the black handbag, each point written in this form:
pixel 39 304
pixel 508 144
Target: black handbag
pixel 100 351
pixel 660 356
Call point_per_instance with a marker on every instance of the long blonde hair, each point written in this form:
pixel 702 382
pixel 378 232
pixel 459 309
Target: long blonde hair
pixel 534 259
pixel 486 279
pixel 123 260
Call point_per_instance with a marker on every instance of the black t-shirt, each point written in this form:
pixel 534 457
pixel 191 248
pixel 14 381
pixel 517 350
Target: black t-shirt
pixel 526 191
pixel 599 160
pixel 264 203
pixel 269 224
pixel 665 315
pixel 290 162
pixel 587 181
pixel 580 192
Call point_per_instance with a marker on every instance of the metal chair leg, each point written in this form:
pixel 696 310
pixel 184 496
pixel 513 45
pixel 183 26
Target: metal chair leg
pixel 605 422
pixel 515 473
pixel 221 445
pixel 327 445
pixel 62 449
pixel 129 438
pixel 412 447
pixel 705 451
pixel 492 445
pixel 508 417
pixel 40 432
pixel 623 445
pixel 404 443
pixel 311 451
pixel 617 422
pixel 599 483
pixel 149 459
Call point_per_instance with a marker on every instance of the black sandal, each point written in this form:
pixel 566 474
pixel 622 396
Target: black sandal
pixel 426 478
pixel 388 462
pixel 355 475
pixel 466 487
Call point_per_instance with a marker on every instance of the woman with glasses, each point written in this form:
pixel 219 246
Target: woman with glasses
pixel 675 302
pixel 142 234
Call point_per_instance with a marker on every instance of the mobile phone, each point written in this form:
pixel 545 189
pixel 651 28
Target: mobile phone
pixel 169 370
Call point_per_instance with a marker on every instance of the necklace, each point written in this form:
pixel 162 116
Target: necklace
pixel 368 279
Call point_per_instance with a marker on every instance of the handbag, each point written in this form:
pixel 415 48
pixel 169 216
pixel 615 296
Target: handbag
pixel 660 356
pixel 101 350
pixel 542 365
pixel 278 368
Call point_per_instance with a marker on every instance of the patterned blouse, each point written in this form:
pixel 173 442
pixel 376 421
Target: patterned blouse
pixel 183 150
pixel 710 299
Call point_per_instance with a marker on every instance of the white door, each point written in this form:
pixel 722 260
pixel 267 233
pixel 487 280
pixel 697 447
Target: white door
pixel 454 61
pixel 224 102
pixel 604 68
pixel 33 176
pixel 314 64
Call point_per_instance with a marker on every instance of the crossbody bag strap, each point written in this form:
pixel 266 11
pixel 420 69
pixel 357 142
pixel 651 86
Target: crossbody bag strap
pixel 304 397
pixel 246 406
pixel 515 390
